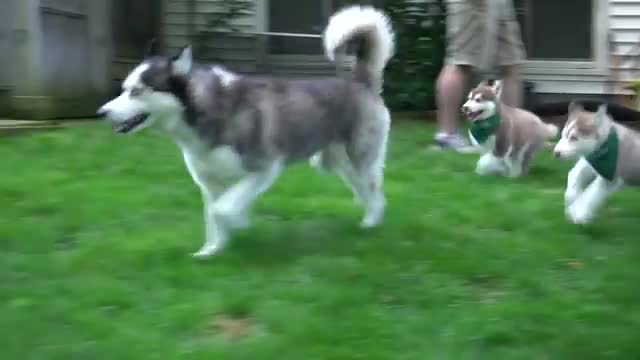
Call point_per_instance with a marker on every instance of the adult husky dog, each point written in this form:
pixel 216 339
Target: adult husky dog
pixel 237 133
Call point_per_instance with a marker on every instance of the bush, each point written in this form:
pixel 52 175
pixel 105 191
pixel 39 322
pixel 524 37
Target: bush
pixel 420 37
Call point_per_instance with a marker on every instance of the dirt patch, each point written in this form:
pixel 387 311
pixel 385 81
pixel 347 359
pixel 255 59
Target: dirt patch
pixel 233 328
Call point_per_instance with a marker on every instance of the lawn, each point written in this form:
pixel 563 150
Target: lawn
pixel 96 234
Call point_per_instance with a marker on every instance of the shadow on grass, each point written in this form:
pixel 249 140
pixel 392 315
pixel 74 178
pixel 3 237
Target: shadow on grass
pixel 282 242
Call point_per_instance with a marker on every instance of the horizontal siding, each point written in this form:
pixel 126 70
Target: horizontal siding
pixel 624 58
pixel 624 19
pixel 238 52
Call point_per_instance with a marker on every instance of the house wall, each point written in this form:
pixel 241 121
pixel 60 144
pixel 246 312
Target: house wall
pixel 624 19
pixel 6 44
pixel 622 35
pixel 58 52
pixel 239 52
pixel 184 18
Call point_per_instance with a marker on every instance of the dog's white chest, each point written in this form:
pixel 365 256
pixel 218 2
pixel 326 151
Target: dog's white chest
pixel 221 164
pixel 487 146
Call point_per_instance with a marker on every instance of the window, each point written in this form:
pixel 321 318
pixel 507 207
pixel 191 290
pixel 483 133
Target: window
pixel 558 30
pixel 304 17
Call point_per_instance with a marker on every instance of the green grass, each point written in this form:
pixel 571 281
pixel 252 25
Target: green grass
pixel 96 232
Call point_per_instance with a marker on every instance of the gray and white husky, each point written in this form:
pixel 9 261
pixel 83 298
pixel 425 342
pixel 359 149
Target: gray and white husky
pixel 608 157
pixel 509 137
pixel 237 133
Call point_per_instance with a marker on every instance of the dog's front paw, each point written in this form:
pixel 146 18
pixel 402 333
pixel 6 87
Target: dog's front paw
pixel 570 197
pixel 490 165
pixel 578 215
pixel 370 222
pixel 206 252
pixel 513 173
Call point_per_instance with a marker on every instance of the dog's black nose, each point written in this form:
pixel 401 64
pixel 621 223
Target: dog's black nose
pixel 102 112
pixel 465 109
pixel 557 154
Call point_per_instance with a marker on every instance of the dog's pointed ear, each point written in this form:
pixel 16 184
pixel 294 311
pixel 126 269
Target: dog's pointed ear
pixel 602 109
pixel 497 88
pixel 574 106
pixel 183 62
pixel 601 114
pixel 153 48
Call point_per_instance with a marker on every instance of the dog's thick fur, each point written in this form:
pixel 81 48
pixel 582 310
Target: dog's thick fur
pixel 583 134
pixel 237 133
pixel 514 144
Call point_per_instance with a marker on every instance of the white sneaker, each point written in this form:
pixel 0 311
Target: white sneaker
pixel 454 142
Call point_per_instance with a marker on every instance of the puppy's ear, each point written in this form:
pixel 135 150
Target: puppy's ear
pixel 602 109
pixel 601 115
pixel 183 61
pixel 497 88
pixel 153 48
pixel 574 106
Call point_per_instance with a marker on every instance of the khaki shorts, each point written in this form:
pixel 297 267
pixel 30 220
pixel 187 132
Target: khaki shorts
pixel 483 38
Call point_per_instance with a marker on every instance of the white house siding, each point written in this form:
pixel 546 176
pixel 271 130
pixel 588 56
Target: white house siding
pixel 624 24
pixel 622 62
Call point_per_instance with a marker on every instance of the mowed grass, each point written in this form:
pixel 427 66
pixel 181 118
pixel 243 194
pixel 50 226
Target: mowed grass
pixel 96 233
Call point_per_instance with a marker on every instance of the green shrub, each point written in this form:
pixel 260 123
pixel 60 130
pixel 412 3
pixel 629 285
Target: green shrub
pixel 420 37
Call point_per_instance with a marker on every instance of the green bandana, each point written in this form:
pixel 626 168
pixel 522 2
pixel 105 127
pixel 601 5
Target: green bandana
pixel 481 130
pixel 605 159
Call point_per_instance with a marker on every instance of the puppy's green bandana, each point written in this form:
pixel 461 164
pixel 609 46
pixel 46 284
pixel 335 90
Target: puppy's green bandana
pixel 605 159
pixel 482 129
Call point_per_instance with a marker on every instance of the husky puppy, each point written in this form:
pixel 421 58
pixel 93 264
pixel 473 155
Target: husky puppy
pixel 509 137
pixel 237 133
pixel 608 156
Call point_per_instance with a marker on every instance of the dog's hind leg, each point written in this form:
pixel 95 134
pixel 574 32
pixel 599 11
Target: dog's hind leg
pixel 528 156
pixel 516 162
pixel 328 159
pixel 365 169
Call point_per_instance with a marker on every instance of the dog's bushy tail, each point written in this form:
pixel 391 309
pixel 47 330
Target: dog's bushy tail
pixel 372 31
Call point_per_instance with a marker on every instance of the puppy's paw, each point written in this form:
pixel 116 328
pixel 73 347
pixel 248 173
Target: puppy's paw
pixel 578 215
pixel 570 197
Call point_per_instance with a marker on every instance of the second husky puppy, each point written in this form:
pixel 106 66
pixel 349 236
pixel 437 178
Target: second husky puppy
pixel 608 156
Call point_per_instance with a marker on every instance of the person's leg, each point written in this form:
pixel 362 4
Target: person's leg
pixel 512 89
pixel 463 46
pixel 511 57
pixel 450 87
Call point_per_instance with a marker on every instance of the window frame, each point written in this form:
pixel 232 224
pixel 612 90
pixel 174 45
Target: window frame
pixel 263 23
pixel 599 31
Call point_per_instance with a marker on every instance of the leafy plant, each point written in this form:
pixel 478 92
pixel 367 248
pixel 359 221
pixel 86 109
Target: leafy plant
pixel 223 20
pixel 420 43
